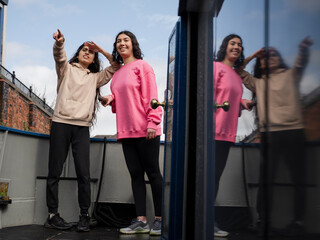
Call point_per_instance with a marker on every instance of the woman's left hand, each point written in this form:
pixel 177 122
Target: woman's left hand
pixel 151 133
pixel 93 46
pixel 247 104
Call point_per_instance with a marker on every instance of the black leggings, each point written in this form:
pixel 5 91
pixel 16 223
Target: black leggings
pixel 222 149
pixel 288 146
pixel 60 138
pixel 142 156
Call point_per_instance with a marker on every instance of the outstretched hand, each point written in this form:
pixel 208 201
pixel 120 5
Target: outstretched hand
pixel 258 54
pixel 307 42
pixel 58 36
pixel 93 46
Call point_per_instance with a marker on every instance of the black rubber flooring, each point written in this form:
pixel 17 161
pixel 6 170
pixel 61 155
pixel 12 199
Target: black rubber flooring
pixel 38 232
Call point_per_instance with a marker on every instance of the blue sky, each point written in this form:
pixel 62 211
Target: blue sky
pixel 31 23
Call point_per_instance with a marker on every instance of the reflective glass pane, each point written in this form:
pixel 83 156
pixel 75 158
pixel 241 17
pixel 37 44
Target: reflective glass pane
pixel 294 116
pixel 236 162
pixel 168 131
pixel 270 182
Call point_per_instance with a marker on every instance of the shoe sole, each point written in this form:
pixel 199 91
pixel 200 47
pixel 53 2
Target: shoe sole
pixel 155 233
pixel 221 235
pixel 56 227
pixel 83 230
pixel 134 232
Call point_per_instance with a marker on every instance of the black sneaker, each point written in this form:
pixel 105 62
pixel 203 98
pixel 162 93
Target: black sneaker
pixel 156 228
pixel 83 224
pixel 57 222
pixel 295 228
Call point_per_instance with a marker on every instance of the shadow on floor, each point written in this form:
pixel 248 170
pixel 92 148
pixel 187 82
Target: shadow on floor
pixel 38 232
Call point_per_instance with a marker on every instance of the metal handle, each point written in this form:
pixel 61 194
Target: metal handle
pixel 225 106
pixel 155 103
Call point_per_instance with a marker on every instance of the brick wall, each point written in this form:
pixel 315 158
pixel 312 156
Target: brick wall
pixel 312 121
pixel 18 111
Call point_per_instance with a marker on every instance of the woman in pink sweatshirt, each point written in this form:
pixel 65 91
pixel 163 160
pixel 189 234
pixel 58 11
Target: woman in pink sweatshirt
pixel 227 87
pixel 138 127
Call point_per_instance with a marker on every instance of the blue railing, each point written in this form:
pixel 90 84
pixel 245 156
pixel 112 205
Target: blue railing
pixel 4 73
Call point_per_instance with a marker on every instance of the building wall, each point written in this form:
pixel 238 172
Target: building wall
pixel 19 112
pixel 312 121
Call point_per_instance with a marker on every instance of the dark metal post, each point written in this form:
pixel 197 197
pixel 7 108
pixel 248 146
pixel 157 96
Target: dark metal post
pixel 199 187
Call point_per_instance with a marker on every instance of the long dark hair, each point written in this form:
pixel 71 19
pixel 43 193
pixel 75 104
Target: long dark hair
pixel 223 49
pixel 135 47
pixel 258 71
pixel 94 67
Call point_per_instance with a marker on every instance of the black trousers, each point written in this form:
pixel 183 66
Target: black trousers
pixel 222 149
pixel 287 146
pixel 61 136
pixel 142 156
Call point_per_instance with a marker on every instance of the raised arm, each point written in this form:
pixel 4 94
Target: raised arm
pixel 260 53
pixel 58 36
pixel 96 48
pixel 59 55
pixel 303 53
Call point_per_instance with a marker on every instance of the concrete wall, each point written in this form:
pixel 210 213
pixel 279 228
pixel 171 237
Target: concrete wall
pixel 24 159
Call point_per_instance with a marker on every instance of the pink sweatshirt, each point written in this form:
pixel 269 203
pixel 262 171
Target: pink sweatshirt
pixel 133 86
pixel 227 87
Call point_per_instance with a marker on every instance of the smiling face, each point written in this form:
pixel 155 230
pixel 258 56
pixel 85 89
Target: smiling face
pixel 86 57
pixel 124 46
pixel 234 49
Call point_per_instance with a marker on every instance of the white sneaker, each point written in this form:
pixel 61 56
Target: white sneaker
pixel 220 233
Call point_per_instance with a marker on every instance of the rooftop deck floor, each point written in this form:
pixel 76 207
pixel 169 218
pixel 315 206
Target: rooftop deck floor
pixel 38 232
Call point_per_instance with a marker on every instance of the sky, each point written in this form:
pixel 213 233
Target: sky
pixel 31 23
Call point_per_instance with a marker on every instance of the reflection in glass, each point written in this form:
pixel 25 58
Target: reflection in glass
pixel 281 124
pixel 287 90
pixel 168 117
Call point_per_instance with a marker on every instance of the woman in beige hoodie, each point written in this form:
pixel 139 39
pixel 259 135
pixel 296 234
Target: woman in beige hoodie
pixel 79 80
pixel 281 124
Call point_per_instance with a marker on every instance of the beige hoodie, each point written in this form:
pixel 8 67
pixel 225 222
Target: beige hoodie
pixel 283 95
pixel 76 89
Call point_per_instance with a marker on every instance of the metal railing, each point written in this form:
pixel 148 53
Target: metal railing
pixel 4 73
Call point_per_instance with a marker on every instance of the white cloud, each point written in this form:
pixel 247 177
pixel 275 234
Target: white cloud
pixel 48 8
pixel 22 54
pixel 42 79
pixel 309 83
pixel 105 124
pixel 305 5
pixel 22 3
pixel 167 20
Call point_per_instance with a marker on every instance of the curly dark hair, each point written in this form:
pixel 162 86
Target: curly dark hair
pixel 135 47
pixel 223 49
pixel 258 71
pixel 94 67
